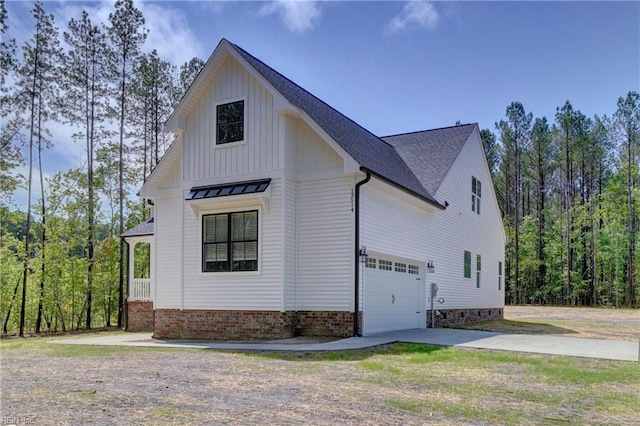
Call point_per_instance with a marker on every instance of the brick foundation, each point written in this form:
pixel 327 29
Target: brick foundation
pixel 249 325
pixel 140 316
pixel 324 323
pixel 449 317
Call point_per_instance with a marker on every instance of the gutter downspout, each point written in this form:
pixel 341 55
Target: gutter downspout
pixel 357 252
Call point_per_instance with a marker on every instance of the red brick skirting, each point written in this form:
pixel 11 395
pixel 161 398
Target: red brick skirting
pixel 139 316
pixel 447 317
pixel 247 325
pixel 324 323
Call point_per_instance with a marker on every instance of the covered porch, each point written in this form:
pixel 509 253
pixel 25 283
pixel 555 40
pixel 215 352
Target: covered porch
pixel 140 276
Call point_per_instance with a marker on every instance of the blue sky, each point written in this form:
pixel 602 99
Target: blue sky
pixel 396 67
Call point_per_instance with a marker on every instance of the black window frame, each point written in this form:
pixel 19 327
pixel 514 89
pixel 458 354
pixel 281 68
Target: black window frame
pixel 226 125
pixel 251 265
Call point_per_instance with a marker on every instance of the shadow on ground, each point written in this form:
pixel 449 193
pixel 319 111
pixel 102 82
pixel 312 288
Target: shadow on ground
pixel 516 327
pixel 351 355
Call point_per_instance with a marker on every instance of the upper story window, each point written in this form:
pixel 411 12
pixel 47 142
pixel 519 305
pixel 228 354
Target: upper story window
pixel 230 122
pixel 476 194
pixel 230 242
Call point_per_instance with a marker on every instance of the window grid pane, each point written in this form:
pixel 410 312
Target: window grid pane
pixel 371 262
pixel 401 267
pixel 386 265
pixel 230 242
pixel 467 264
pixel 413 269
pixel 230 122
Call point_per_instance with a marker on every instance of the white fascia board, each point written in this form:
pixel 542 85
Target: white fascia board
pixel 394 191
pixel 176 120
pixel 150 188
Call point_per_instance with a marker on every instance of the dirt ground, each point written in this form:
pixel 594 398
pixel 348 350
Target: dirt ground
pixel 592 323
pixel 47 384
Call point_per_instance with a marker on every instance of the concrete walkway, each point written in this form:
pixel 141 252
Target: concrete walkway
pixel 540 344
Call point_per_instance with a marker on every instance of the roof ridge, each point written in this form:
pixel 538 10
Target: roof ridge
pixel 428 130
pixel 309 93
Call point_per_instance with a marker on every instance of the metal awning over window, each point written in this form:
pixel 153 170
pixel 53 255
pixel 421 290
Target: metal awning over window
pixel 237 188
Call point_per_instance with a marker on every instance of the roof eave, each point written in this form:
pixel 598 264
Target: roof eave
pixel 404 188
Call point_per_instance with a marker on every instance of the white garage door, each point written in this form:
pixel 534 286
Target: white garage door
pixel 393 294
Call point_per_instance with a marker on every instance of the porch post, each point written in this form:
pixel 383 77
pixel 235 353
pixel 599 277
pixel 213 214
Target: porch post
pixel 132 271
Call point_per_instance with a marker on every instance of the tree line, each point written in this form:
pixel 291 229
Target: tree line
pixel 62 262
pixel 569 192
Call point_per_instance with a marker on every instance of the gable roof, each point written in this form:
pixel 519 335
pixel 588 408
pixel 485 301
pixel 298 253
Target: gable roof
pixel 372 153
pixel 431 153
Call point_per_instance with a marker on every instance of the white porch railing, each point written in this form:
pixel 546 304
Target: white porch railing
pixel 140 289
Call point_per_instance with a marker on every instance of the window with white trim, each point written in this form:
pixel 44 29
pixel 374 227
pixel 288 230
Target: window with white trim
pixel 230 242
pixel 499 275
pixel 476 194
pixel 230 122
pixel 414 269
pixel 478 269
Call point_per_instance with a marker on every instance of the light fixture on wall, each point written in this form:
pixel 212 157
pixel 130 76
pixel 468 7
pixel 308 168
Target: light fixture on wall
pixel 430 267
pixel 363 254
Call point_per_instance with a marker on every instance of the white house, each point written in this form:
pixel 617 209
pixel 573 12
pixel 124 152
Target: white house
pixel 275 215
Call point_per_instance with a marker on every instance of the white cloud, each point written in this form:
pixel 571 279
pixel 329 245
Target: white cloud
pixel 170 33
pixel 416 12
pixel 298 16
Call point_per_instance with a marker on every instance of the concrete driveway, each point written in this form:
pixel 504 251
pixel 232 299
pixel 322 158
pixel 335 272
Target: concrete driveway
pixel 540 344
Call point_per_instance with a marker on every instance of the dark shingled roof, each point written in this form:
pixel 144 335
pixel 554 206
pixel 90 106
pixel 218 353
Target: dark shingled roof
pixel 144 228
pixel 431 153
pixel 368 150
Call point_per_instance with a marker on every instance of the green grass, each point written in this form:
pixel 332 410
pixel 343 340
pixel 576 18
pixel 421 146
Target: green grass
pixel 433 382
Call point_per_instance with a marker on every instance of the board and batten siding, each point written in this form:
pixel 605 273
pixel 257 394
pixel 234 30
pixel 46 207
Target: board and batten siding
pixel 260 290
pixel 168 248
pixel 325 245
pixel 458 228
pixel 202 158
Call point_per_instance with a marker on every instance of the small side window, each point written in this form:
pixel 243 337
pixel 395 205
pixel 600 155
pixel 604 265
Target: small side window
pixel 467 264
pixel 476 194
pixel 230 122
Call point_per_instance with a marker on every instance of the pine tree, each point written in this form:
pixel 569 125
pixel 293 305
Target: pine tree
pixel 35 80
pixel 127 36
pixel 627 119
pixel 11 137
pixel 87 74
pixel 515 133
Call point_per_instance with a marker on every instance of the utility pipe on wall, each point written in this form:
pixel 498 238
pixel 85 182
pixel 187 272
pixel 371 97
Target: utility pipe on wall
pixel 357 251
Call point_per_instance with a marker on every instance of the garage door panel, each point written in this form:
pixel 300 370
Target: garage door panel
pixel 393 298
